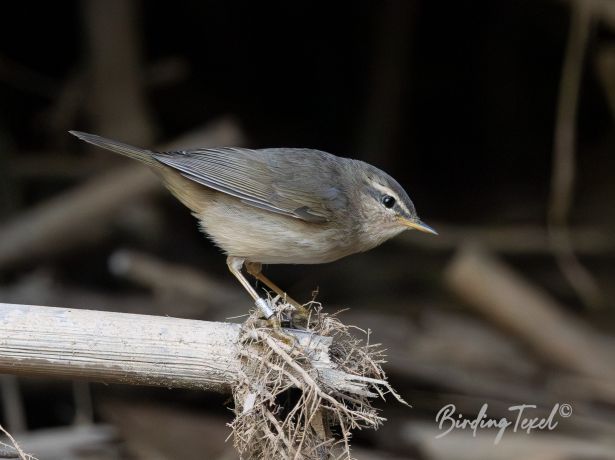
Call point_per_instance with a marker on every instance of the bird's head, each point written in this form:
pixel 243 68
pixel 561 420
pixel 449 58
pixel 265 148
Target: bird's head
pixel 384 206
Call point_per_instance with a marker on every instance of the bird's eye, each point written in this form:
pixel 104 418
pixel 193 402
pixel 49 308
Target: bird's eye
pixel 388 201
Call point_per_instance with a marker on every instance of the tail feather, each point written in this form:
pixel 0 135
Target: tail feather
pixel 130 151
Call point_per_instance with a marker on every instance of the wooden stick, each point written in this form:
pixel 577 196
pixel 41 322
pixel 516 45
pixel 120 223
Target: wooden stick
pixel 117 347
pixel 139 349
pixel 85 212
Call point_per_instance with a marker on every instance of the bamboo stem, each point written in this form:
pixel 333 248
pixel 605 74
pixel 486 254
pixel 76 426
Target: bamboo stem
pixel 117 347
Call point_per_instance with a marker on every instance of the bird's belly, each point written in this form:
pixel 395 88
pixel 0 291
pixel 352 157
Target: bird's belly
pixel 258 235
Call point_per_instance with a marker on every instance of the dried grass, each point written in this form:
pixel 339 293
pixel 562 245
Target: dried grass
pixel 303 401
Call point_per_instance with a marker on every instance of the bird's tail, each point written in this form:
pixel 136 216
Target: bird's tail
pixel 130 151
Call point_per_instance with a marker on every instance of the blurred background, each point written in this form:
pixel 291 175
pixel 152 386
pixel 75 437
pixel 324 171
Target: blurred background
pixel 496 116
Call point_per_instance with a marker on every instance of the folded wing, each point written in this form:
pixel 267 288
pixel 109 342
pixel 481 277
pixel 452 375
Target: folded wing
pixel 298 183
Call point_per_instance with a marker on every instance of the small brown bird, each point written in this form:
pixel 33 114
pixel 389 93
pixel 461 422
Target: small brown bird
pixel 280 205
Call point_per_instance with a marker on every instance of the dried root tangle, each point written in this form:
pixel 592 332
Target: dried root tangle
pixel 303 401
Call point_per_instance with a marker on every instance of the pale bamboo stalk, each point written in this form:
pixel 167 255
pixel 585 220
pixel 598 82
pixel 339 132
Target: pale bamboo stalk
pixel 142 349
pixel 117 347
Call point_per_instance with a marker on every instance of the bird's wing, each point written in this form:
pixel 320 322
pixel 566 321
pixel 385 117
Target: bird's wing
pixel 284 181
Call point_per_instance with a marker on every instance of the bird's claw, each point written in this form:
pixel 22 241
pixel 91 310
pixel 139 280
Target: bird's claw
pixel 278 333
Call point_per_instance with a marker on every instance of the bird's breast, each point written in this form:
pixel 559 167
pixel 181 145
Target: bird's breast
pixel 262 236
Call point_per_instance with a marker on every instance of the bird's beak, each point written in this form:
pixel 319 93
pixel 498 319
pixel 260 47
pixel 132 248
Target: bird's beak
pixel 418 225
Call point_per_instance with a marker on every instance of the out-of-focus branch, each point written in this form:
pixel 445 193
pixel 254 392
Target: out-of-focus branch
pixel 423 437
pixel 513 303
pixel 605 68
pixel 70 442
pixel 509 239
pixel 174 280
pixel 12 408
pixel 562 181
pixel 117 102
pixel 392 45
pixel 85 212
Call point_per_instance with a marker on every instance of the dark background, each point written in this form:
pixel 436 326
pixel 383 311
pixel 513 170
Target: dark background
pixel 471 88
pixel 456 100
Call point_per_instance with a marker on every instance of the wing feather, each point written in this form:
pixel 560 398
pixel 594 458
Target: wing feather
pixel 277 180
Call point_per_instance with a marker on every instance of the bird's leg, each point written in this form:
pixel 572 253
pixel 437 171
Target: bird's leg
pixel 255 269
pixel 234 265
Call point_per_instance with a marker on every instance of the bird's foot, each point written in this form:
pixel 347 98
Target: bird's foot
pixel 299 317
pixel 292 316
pixel 279 333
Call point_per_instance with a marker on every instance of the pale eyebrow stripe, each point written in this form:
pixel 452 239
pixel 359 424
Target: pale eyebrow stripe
pixel 388 191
